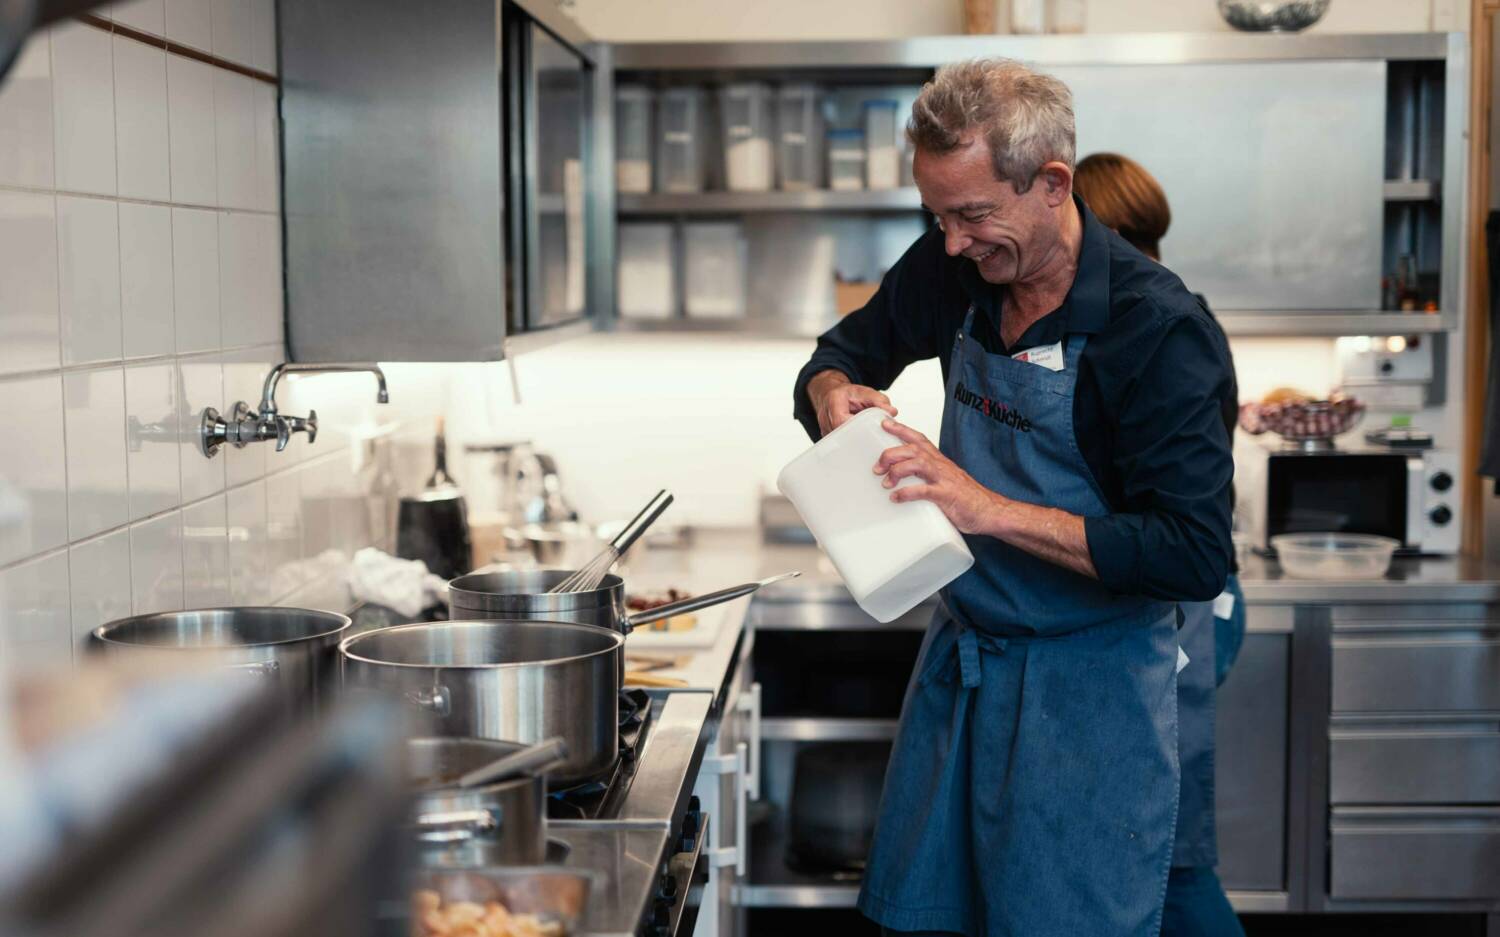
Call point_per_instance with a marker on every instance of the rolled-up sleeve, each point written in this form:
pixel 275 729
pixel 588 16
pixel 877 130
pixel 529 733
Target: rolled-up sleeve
pixel 874 344
pixel 1172 452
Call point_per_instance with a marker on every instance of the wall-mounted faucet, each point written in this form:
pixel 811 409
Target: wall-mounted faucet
pixel 244 426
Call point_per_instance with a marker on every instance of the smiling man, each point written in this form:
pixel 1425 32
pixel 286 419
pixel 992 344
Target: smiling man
pixel 1033 784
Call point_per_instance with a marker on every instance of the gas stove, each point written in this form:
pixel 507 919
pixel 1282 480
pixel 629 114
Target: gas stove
pixel 640 830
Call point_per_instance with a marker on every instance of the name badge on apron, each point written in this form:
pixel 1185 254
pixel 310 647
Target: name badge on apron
pixel 1048 356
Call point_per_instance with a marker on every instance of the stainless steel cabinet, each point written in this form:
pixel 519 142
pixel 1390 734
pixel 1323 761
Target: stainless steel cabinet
pixel 441 166
pixel 1250 767
pixel 1415 853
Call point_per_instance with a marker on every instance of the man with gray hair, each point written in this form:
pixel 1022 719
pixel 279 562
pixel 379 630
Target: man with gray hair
pixel 1033 784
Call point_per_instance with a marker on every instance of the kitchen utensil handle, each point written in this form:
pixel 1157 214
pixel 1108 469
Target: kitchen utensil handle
pixel 536 759
pixel 456 825
pixel 703 601
pixel 749 703
pixel 637 526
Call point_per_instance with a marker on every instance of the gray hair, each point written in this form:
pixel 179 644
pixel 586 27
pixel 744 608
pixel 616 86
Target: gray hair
pixel 1026 116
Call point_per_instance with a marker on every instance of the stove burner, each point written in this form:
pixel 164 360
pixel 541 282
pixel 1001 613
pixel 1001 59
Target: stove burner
pixel 586 800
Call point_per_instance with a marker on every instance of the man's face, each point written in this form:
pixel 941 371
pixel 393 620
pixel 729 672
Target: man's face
pixel 1006 235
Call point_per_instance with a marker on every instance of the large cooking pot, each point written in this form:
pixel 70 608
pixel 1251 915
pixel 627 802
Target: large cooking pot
pixel 294 649
pixel 495 824
pixel 522 594
pixel 516 681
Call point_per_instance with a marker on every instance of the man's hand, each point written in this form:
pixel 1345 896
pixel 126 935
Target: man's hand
pixel 1050 533
pixel 969 505
pixel 836 399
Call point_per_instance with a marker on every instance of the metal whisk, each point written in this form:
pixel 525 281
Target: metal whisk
pixel 591 575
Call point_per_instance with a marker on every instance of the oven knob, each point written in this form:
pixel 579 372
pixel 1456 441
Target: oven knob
pixel 1441 481
pixel 1441 515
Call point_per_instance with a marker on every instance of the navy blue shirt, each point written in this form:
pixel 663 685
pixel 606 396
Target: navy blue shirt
pixel 1154 384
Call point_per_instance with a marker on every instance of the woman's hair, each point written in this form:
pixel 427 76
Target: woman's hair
pixel 1025 116
pixel 1126 197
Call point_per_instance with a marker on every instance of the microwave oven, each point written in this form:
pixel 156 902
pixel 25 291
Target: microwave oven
pixel 1409 496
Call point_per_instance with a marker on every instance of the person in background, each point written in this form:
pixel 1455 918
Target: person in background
pixel 1127 198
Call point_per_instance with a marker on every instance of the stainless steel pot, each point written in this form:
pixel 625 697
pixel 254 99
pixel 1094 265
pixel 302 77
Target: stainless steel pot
pixel 293 648
pixel 516 681
pixel 496 824
pixel 522 594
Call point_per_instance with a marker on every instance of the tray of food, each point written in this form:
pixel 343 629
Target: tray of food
pixel 518 901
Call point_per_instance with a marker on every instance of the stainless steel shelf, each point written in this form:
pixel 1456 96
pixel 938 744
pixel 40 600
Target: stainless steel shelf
pixel 1098 49
pixel 772 884
pixel 841 895
pixel 726 203
pixel 822 729
pixel 1412 190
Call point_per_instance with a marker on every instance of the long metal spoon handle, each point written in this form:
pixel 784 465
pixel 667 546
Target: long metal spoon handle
pixel 702 601
pixel 641 521
pixel 534 760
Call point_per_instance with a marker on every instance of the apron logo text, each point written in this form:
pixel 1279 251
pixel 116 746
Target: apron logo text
pixel 998 412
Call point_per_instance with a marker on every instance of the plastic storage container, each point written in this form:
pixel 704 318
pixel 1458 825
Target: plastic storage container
pixel 646 272
pixel 679 145
pixel 713 259
pixel 745 109
pixel 891 556
pixel 799 137
pixel 846 159
pixel 882 156
pixel 1334 555
pixel 633 138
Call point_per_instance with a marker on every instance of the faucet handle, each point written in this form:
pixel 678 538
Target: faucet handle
pixel 287 425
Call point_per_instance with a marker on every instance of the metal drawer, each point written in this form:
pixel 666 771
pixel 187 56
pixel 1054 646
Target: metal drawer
pixel 1436 672
pixel 1450 853
pixel 1415 763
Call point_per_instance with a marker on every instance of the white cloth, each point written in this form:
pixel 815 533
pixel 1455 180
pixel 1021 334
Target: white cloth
pixel 403 585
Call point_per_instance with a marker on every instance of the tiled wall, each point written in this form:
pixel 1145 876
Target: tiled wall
pixel 139 283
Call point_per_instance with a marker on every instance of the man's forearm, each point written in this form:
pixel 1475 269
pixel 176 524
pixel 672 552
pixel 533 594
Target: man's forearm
pixel 1050 533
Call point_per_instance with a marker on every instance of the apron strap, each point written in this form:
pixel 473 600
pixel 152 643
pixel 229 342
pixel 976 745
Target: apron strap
pixel 962 656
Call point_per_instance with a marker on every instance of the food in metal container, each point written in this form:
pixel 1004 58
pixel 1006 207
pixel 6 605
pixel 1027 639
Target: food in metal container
pixel 432 918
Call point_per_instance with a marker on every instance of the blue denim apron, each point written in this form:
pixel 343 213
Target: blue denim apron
pixel 1032 789
pixel 1196 844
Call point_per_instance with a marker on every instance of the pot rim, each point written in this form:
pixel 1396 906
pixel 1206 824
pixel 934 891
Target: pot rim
pixel 617 643
pixel 605 595
pixel 103 633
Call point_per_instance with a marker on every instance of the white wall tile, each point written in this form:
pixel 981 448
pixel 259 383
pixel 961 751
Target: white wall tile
pixel 234 123
pixel 205 554
pixel 249 547
pixel 33 485
pixel 146 307
pixel 156 564
pixel 195 272
pixel 99 579
pixel 190 23
pixel 190 117
pixel 28 282
pixel 234 30
pixel 94 410
pixel 34 622
pixel 152 439
pixel 88 246
pixel 267 150
pixel 200 383
pixel 240 268
pixel 244 377
pixel 269 319
pixel 83 102
pixel 149 16
pixel 284 531
pixel 141 120
pixel 26 115
pixel 264 44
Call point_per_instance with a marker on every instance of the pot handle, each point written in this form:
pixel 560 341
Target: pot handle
pixel 435 699
pixel 703 601
pixel 455 826
pixel 259 668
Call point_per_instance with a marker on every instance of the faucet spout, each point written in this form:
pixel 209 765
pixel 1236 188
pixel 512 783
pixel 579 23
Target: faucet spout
pixel 268 393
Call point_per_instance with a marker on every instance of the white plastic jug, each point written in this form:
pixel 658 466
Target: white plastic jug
pixel 891 556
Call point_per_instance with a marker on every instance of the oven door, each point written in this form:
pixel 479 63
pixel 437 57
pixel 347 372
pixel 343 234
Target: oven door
pixel 1364 493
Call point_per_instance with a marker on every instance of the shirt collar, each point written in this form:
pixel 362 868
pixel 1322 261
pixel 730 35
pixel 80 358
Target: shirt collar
pixel 1085 308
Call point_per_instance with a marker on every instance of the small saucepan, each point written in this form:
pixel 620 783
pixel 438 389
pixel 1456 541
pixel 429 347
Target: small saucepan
pixel 510 595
